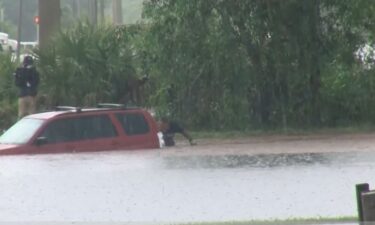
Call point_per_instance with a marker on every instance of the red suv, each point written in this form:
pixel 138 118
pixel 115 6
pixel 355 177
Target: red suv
pixel 70 129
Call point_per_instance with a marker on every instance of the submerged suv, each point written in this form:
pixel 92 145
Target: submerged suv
pixel 70 129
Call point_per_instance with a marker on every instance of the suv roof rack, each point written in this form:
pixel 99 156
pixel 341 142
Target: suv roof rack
pixel 110 105
pixel 116 106
pixel 68 108
pixel 104 106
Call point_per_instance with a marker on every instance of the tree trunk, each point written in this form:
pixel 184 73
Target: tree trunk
pixel 101 11
pixel 117 12
pixel 75 9
pixel 49 14
pixel 315 70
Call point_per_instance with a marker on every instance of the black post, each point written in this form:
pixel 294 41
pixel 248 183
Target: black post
pixel 360 188
pixel 19 31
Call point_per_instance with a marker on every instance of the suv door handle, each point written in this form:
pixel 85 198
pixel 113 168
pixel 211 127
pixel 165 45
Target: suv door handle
pixel 114 143
pixel 71 147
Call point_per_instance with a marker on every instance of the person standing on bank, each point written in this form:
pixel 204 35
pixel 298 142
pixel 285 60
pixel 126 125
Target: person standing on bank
pixel 27 80
pixel 169 129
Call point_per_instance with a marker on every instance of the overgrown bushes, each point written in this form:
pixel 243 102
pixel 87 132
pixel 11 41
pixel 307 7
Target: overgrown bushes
pixel 86 64
pixel 223 65
pixel 8 95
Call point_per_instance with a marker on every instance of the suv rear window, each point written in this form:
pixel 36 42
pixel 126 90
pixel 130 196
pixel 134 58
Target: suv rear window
pixel 79 128
pixel 133 123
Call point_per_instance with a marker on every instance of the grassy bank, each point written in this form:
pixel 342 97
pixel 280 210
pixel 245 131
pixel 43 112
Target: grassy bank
pixel 360 129
pixel 293 221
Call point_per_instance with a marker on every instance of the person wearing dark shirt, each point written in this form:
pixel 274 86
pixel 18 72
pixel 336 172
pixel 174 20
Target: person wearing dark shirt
pixel 169 129
pixel 27 80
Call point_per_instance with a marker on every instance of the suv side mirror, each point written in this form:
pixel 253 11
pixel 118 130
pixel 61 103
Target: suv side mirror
pixel 41 141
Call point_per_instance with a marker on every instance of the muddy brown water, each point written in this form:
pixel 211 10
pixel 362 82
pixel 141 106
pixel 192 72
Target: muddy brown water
pixel 262 178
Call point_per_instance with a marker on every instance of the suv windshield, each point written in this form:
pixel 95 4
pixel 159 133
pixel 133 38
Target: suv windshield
pixel 21 132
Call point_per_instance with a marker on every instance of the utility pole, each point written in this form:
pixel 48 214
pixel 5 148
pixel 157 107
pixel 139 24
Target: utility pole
pixel 19 30
pixel 117 12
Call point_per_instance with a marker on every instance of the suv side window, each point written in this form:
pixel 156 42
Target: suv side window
pixel 80 128
pixel 59 131
pixel 91 127
pixel 133 123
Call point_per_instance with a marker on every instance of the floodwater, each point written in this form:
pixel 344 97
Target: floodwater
pixel 160 186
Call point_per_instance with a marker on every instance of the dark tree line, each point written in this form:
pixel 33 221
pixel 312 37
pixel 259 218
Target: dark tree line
pixel 226 64
pixel 241 64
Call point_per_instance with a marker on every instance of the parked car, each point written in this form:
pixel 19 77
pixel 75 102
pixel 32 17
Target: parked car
pixel 28 46
pixel 22 56
pixel 13 44
pixel 4 41
pixel 70 129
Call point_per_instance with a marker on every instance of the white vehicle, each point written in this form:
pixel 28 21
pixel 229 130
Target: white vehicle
pixel 22 56
pixel 12 45
pixel 28 46
pixel 4 40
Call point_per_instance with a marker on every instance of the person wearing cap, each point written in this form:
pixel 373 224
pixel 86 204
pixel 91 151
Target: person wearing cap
pixel 169 129
pixel 27 80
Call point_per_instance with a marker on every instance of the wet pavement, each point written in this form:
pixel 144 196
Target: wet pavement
pixel 163 186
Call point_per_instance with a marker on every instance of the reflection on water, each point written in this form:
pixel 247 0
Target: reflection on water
pixel 243 161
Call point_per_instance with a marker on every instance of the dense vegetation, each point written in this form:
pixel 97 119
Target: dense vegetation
pixel 224 64
pixel 8 101
pixel 243 64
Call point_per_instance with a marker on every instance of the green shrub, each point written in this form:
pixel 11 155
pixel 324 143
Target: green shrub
pixel 85 65
pixel 8 94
